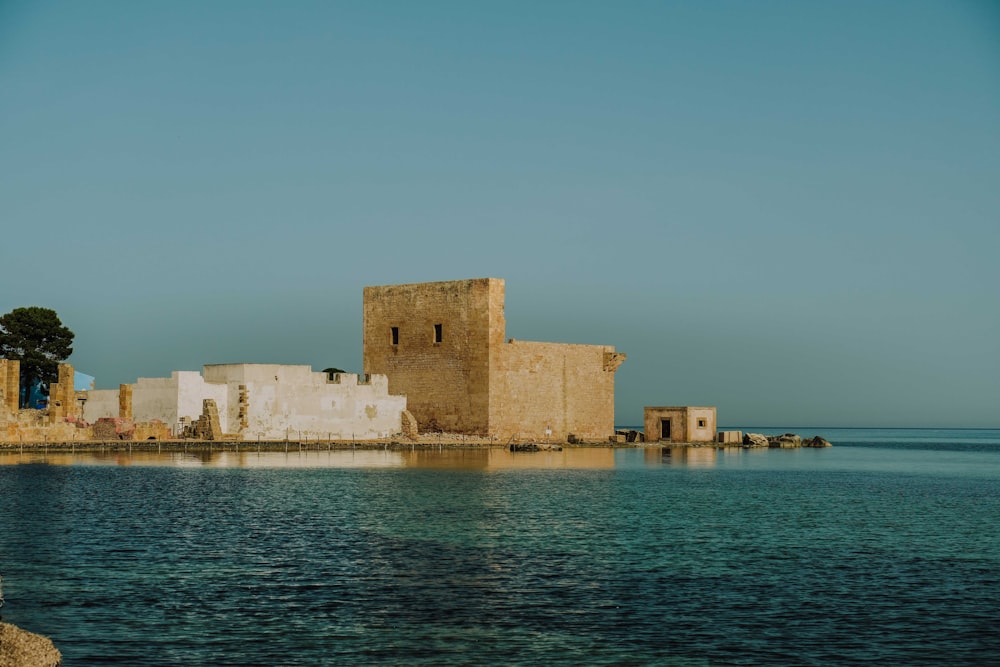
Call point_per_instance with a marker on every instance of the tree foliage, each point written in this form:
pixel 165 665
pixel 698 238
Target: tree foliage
pixel 35 337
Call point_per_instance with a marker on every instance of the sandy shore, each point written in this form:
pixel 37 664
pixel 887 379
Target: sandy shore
pixel 19 648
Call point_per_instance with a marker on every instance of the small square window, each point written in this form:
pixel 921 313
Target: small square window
pixel 701 423
pixel 395 335
pixel 437 333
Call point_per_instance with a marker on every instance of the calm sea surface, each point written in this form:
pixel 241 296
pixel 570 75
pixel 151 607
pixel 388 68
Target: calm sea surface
pixel 884 549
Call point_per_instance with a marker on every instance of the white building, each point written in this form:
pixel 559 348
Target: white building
pixel 263 401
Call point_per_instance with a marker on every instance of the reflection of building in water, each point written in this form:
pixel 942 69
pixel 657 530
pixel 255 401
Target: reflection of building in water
pixel 202 458
pixel 494 458
pixel 695 457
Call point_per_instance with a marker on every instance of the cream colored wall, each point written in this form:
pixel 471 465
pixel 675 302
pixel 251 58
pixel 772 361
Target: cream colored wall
pixel 705 433
pixel 554 387
pixel 100 403
pixel 296 402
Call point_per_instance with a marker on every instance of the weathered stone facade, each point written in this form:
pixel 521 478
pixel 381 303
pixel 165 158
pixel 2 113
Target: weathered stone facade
pixel 443 345
pixel 10 387
pixel 679 424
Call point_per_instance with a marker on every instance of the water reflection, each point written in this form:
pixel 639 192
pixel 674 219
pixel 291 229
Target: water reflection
pixel 693 457
pixel 472 459
pixel 365 458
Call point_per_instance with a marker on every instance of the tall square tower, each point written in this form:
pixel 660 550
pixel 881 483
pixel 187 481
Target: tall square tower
pixel 438 344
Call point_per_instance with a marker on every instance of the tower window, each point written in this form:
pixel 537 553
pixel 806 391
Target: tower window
pixel 437 333
pixel 395 335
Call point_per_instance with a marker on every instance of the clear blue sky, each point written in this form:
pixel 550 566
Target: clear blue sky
pixel 789 210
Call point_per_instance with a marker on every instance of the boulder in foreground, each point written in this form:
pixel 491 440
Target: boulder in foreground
pixel 19 648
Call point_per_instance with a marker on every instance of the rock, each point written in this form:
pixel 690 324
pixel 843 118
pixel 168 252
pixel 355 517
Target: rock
pixel 816 441
pixel 786 441
pixel 754 440
pixel 409 425
pixel 19 648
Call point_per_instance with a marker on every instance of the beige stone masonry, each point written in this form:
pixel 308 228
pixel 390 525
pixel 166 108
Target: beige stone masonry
pixel 125 401
pixel 443 346
pixel 10 387
pixel 207 427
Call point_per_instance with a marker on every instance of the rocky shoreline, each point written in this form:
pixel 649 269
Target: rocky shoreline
pixel 20 648
pixel 784 441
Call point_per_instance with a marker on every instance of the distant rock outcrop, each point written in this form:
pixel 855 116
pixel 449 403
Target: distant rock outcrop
pixel 19 648
pixel 784 441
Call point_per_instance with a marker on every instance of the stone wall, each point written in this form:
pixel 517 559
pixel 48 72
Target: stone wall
pixel 101 403
pixel 446 378
pixel 10 387
pixel 552 390
pixel 62 396
pixel 442 345
pixel 260 401
pixel 275 402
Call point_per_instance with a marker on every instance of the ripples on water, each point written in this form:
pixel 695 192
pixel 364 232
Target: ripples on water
pixel 812 557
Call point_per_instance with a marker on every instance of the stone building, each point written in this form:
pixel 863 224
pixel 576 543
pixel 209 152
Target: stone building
pixel 443 345
pixel 679 424
pixel 259 401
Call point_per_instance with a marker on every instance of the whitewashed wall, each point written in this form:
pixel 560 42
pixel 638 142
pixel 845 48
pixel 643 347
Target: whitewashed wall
pixel 100 403
pixel 296 402
pixel 283 402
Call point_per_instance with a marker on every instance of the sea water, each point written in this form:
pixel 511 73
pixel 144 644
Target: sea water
pixel 884 549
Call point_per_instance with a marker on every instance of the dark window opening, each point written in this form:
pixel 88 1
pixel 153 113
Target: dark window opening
pixel 437 333
pixel 395 335
pixel 701 423
pixel 665 429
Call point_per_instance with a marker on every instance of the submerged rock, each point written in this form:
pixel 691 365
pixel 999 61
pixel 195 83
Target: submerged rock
pixel 816 441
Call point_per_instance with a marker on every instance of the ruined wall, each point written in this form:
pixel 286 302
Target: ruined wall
pixel 280 401
pixel 554 387
pixel 101 403
pixel 62 396
pixel 446 338
pixel 10 387
pixel 155 399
